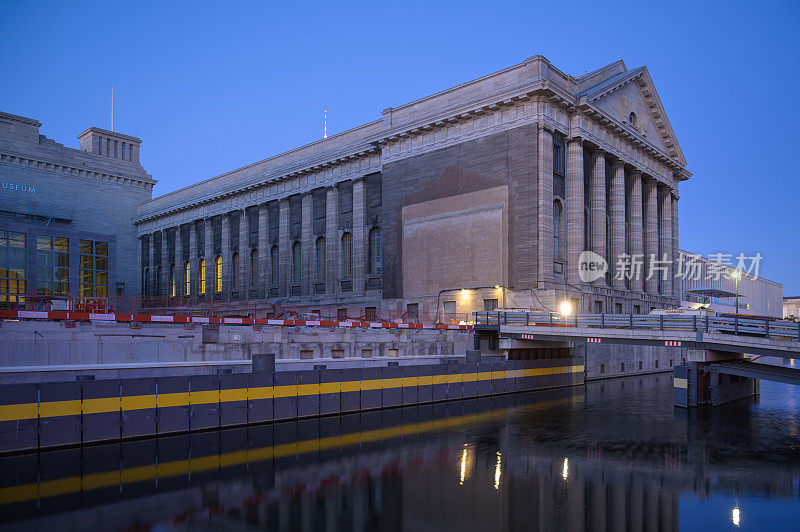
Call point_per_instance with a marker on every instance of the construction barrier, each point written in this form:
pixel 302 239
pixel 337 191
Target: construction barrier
pixel 151 318
pixel 72 413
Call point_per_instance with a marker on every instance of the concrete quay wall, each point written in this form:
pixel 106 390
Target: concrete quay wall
pixel 39 351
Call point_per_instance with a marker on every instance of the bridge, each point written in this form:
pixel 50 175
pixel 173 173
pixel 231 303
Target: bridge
pixel 779 338
pixel 716 370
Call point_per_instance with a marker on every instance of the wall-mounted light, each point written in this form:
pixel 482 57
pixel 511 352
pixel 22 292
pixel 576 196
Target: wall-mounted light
pixel 565 308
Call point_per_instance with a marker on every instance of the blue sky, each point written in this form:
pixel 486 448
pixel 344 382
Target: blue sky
pixel 212 86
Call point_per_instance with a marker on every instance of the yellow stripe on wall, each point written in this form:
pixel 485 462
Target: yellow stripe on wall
pixel 137 402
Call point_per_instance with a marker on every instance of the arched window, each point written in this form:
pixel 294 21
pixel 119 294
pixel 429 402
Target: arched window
pixel 296 264
pixel 187 279
pixel 558 231
pixel 235 271
pixel 254 268
pixel 632 120
pixel 202 277
pixel 319 265
pixel 274 267
pixel 374 251
pixel 172 287
pixel 347 256
pixel 218 274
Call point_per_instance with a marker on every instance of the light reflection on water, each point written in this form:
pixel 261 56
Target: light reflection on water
pixel 614 455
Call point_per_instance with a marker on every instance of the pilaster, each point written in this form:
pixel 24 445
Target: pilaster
pixel 308 255
pixel 194 277
pixel 151 263
pixel 244 256
pixel 599 221
pixel 650 233
pixel 208 255
pixel 331 242
pixel 284 249
pixel 575 213
pixel 263 252
pixel 665 239
pixel 637 229
pixel 359 238
pixel 544 190
pixel 225 252
pixel 617 221
pixel 165 264
pixel 180 289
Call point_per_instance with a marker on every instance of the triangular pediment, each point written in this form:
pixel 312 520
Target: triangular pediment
pixel 633 92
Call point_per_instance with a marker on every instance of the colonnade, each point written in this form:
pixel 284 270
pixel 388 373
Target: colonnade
pixel 273 252
pixel 629 218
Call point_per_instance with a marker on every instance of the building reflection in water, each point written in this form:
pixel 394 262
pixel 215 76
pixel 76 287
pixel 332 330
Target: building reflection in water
pixel 610 457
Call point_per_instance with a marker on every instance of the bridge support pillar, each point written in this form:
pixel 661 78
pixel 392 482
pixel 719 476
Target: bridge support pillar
pixel 700 382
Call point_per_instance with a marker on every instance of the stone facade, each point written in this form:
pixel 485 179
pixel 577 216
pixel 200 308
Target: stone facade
pixel 478 196
pixel 50 192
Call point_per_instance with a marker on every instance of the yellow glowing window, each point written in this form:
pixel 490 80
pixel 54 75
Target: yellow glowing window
pixel 218 271
pixel 202 276
pixel 187 279
pixel 172 281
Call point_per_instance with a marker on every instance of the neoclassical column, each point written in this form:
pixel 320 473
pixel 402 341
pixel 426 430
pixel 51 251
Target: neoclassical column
pixel 359 238
pixel 225 252
pixel 331 241
pixel 617 221
pixel 545 204
pixel 284 249
pixel 179 285
pixel 675 241
pixel 165 264
pixel 263 252
pixel 193 269
pixel 575 212
pixel 208 256
pixel 637 230
pixel 308 255
pixel 151 264
pixel 650 233
pixel 599 208
pixel 665 237
pixel 244 256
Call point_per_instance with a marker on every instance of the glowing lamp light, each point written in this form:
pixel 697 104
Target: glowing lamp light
pixel 565 469
pixel 497 287
pixel 736 274
pixel 735 516
pixel 565 308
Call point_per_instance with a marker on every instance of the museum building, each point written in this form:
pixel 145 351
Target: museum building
pixel 66 216
pixel 478 196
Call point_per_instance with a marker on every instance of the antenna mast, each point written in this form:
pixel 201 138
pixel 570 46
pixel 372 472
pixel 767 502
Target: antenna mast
pixel 325 124
pixel 112 107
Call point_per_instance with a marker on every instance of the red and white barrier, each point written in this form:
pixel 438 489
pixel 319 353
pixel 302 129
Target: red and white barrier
pixel 149 318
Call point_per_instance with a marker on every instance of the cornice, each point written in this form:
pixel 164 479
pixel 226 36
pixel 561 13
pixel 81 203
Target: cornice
pixel 7 157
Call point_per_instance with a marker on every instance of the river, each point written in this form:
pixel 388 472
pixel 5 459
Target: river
pixel 613 455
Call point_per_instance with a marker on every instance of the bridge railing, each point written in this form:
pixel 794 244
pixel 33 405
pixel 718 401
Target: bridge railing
pixel 779 329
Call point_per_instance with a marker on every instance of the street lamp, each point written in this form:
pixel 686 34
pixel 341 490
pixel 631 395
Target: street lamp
pixel 737 274
pixel 565 308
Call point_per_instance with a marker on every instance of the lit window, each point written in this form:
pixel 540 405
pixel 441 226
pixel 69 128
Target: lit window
pixel 93 268
pixel 13 258
pixel 202 273
pixel 218 274
pixel 187 290
pixel 172 288
pixel 320 260
pixel 347 256
pixel 374 256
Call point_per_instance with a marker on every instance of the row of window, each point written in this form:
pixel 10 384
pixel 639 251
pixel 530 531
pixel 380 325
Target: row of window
pixel 52 267
pixel 320 264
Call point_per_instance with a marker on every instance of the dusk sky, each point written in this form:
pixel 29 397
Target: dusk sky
pixel 213 86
